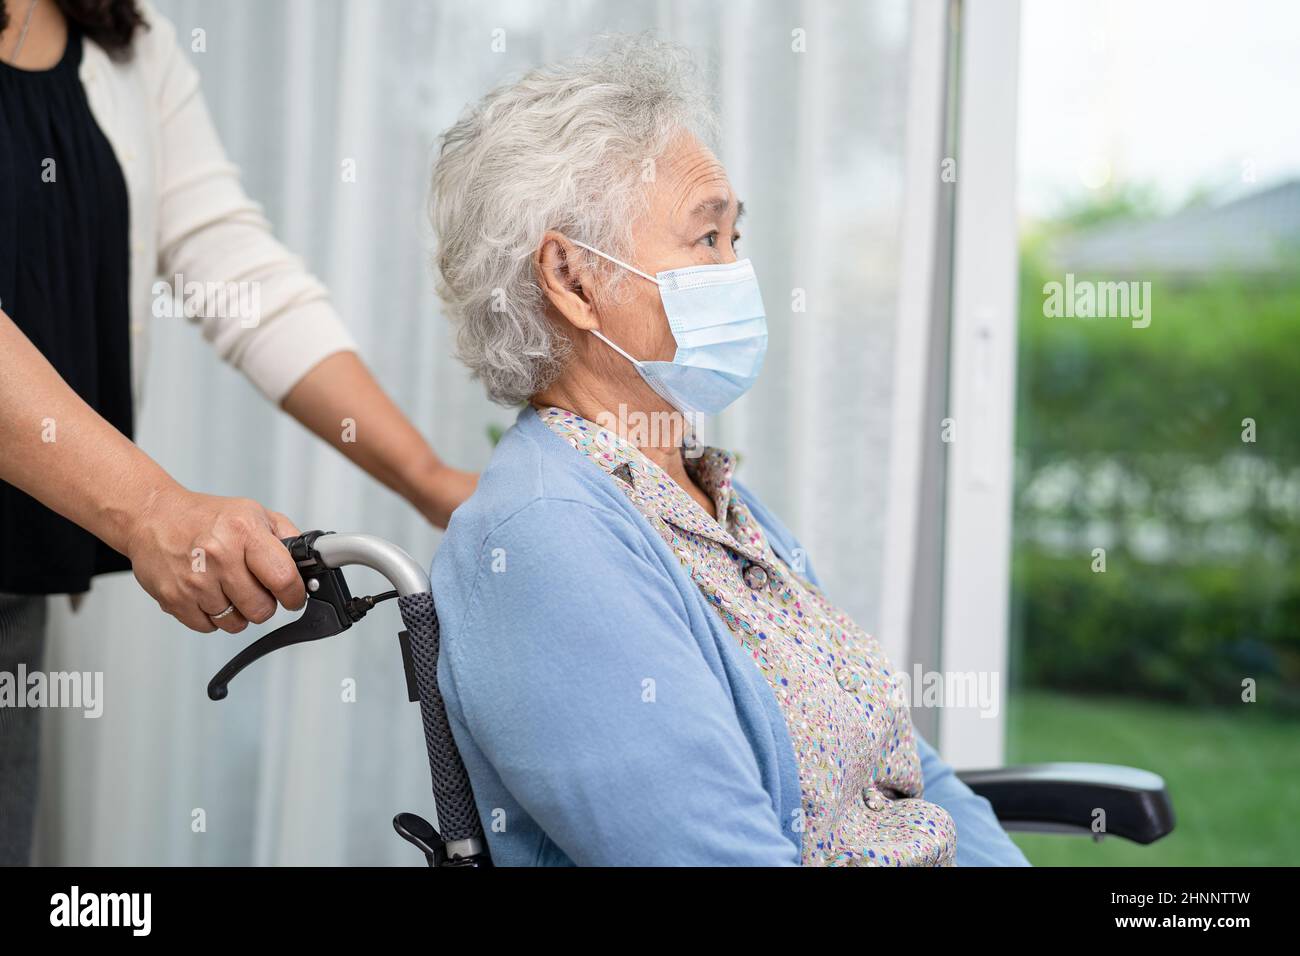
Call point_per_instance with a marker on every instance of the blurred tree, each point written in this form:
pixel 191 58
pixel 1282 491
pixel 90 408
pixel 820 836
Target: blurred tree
pixel 1131 440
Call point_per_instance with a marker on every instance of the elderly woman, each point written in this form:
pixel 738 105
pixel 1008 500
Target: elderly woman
pixel 637 667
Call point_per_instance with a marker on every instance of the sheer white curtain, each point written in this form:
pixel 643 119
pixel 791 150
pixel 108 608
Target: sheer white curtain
pixel 813 99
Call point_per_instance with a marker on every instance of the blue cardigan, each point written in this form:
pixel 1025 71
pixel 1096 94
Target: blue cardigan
pixel 605 713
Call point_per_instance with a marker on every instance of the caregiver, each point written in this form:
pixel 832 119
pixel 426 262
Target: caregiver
pixel 110 175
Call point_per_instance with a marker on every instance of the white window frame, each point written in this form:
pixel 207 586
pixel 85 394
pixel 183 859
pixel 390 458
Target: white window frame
pixel 982 364
pixel 947 580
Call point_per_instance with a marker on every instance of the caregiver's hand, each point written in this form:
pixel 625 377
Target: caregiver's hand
pixel 198 555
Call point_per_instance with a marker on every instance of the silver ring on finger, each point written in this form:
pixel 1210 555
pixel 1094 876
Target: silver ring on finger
pixel 230 609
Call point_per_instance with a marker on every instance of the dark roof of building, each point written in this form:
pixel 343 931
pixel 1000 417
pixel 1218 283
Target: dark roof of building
pixel 1259 232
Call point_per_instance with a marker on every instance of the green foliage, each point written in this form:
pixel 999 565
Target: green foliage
pixel 1215 352
pixel 1187 634
pixel 1130 201
pixel 1128 436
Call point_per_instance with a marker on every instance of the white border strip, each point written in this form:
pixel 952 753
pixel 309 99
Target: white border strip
pixel 982 385
pixel 922 158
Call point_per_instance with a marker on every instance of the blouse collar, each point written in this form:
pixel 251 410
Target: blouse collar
pixel 652 489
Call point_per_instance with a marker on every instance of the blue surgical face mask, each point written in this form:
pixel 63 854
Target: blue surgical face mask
pixel 716 315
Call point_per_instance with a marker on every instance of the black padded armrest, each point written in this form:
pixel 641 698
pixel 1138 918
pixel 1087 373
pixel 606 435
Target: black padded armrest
pixel 1064 796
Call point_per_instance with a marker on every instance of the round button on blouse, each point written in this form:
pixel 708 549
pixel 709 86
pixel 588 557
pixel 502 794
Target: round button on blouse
pixel 849 678
pixel 755 577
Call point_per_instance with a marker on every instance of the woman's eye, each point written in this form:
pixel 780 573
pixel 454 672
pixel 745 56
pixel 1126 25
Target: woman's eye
pixel 711 240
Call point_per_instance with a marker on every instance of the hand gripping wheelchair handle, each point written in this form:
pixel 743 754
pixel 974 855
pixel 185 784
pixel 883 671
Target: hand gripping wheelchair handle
pixel 330 610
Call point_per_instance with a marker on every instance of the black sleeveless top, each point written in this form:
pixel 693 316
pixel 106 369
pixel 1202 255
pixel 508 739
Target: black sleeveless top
pixel 64 274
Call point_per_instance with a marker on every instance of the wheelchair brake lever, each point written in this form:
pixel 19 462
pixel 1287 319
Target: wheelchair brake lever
pixel 330 610
pixel 420 833
pixel 319 619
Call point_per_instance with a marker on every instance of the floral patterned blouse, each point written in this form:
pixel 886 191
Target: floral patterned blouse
pixel 859 771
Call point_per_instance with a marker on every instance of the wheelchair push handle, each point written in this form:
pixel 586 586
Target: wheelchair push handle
pixel 330 610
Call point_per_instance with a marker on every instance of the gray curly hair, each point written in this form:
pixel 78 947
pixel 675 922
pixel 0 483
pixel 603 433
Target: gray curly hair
pixel 567 147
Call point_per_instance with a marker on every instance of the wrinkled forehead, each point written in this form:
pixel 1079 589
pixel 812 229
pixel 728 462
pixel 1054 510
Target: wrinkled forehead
pixel 691 188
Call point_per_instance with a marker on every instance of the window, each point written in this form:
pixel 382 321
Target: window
pixel 1156 546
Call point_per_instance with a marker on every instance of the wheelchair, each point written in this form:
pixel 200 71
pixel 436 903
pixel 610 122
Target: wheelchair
pixel 1049 797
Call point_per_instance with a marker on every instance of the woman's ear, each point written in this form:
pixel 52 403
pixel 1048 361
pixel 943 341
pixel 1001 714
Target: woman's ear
pixel 565 280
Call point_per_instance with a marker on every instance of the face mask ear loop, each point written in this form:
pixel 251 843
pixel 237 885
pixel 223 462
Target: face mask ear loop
pixel 617 262
pixel 598 335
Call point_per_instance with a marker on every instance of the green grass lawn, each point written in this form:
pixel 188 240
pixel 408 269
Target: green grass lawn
pixel 1234 776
